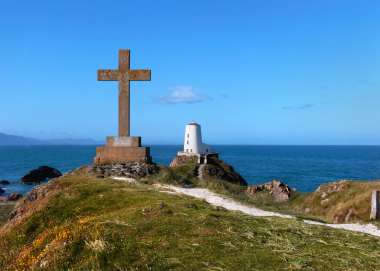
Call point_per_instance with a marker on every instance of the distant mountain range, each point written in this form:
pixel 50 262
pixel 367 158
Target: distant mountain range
pixel 13 140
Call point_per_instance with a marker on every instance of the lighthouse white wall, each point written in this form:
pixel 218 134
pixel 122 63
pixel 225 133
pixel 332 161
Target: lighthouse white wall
pixel 193 140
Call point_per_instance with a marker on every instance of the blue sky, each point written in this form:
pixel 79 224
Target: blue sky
pixel 251 72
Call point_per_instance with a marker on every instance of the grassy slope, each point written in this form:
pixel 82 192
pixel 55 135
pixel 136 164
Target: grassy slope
pixel 107 225
pixel 337 202
pixel 340 201
pixel 183 175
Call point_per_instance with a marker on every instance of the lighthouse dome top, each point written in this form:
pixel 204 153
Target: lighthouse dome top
pixel 193 123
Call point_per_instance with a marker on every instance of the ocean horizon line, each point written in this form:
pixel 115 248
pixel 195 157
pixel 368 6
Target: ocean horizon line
pixel 218 144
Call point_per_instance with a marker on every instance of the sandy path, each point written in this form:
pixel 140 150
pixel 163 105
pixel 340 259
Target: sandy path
pixel 232 205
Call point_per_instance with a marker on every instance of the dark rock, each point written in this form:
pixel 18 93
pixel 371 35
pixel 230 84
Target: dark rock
pixel 14 196
pixel 210 168
pixel 279 190
pixel 4 182
pixel 41 174
pixel 218 169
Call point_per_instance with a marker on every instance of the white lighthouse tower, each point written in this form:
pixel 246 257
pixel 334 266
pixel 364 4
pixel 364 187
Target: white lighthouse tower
pixel 193 144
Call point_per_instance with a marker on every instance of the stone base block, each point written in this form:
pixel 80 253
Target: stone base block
pixel 127 141
pixel 121 154
pixel 183 158
pixel 134 170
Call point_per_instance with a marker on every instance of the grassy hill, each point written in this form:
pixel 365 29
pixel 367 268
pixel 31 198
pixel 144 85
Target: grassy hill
pixel 83 223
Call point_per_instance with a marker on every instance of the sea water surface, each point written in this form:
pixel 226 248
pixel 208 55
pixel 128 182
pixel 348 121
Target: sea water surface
pixel 302 167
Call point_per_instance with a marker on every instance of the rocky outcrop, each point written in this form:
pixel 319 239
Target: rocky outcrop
pixel 41 174
pixel 279 190
pixel 11 197
pixel 133 170
pixel 34 201
pixel 217 169
pixel 4 182
pixel 183 160
pixel 14 197
pixel 343 201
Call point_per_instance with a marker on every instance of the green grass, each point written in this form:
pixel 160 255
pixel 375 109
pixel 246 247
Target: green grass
pixel 92 224
pixel 350 204
pixel 184 175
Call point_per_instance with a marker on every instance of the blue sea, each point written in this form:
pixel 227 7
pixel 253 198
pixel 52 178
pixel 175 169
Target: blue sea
pixel 302 167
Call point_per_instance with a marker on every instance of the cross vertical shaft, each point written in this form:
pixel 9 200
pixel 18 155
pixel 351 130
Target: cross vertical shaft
pixel 124 94
pixel 124 108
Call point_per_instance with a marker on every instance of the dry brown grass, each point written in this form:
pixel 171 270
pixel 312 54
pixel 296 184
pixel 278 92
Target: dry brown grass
pixel 340 202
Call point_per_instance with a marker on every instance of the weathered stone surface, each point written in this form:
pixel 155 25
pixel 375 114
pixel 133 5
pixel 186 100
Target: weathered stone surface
pixel 123 148
pixel 217 169
pixel 134 170
pixel 181 160
pixel 4 182
pixel 41 174
pixel 375 205
pixel 124 75
pixel 14 196
pixel 121 154
pixel 126 141
pixel 279 191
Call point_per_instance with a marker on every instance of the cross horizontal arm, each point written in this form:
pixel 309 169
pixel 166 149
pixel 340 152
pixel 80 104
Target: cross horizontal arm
pixel 108 75
pixel 139 75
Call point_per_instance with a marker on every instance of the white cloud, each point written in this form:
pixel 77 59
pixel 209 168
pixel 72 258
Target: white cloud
pixel 183 94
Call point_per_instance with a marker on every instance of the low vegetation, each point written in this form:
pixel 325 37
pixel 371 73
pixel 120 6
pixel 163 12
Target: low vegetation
pixel 94 224
pixel 5 210
pixel 340 202
pixel 336 202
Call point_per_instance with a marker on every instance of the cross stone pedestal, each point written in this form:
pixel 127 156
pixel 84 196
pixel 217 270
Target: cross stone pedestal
pixel 124 148
pixel 121 150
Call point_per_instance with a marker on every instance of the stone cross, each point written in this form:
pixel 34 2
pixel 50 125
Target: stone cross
pixel 124 75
